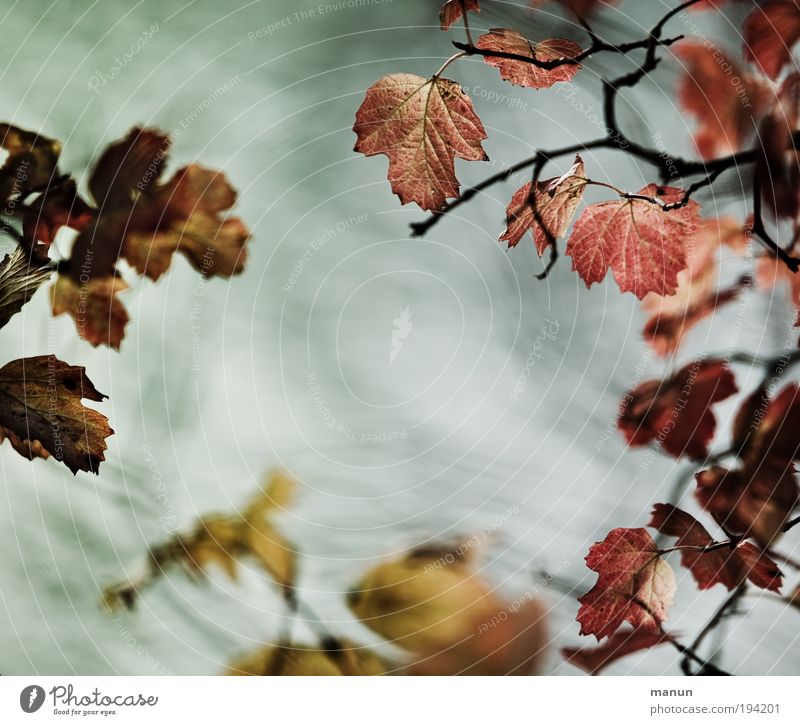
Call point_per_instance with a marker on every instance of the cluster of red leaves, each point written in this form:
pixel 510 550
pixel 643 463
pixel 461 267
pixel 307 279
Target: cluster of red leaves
pixel 751 504
pixel 131 216
pixel 657 246
pixel 730 101
pixel 756 498
pixel 635 584
pixel 676 412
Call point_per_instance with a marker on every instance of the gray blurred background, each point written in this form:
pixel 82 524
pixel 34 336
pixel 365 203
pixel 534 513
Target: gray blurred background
pixel 296 370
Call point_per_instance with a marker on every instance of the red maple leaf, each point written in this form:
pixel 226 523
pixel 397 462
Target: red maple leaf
pixel 620 644
pixel 421 124
pixel 453 10
pixel 676 412
pixel 727 565
pixel 525 74
pixel 725 112
pixel 633 584
pixel 555 201
pixel 770 31
pixel 643 245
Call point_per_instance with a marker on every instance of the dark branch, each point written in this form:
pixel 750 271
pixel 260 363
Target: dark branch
pixel 712 624
pixel 597 46
pixel 420 228
pixel 761 233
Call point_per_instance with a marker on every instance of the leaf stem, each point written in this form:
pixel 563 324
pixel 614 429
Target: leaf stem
pixel 465 13
pixel 450 60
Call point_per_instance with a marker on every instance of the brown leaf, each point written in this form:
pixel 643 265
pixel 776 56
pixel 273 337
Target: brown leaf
pixel 40 401
pixel 145 221
pixel 422 125
pixel 525 74
pixel 128 166
pixel 27 449
pixel 555 201
pixel 32 161
pixel 100 317
pixel 56 207
pixel 192 224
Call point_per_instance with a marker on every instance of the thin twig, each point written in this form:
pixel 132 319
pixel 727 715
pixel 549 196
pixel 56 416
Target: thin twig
pixel 793 263
pixel 712 623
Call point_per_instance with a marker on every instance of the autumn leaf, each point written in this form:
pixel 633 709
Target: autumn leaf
pixel 555 201
pixel 770 31
pixel 422 125
pixel 676 412
pixel 20 277
pixel 728 565
pixel 620 644
pixel 643 245
pixel 634 584
pixel 772 272
pixel 41 410
pixel 57 207
pixel 776 169
pixel 768 427
pixel 425 601
pixel 761 570
pixel 224 540
pixel 192 223
pixel 726 113
pixel 100 317
pixel 32 162
pixel 754 501
pixel 665 332
pixel 27 449
pixel 128 166
pixel 453 10
pixel 525 74
pixel 673 316
pixel 145 221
